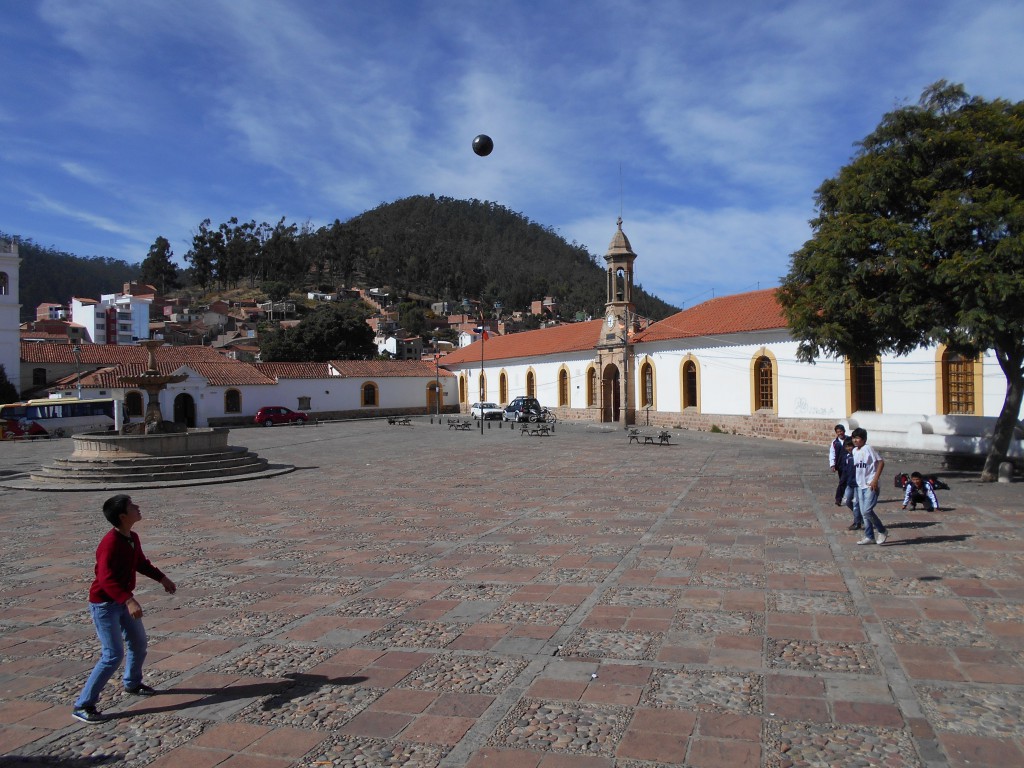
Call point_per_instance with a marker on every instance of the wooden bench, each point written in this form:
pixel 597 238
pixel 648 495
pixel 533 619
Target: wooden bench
pixel 536 430
pixel 463 426
pixel 646 438
pixel 403 421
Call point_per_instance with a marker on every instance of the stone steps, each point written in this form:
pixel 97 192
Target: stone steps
pixel 229 463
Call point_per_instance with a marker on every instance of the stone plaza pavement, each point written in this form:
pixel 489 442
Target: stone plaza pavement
pixel 414 596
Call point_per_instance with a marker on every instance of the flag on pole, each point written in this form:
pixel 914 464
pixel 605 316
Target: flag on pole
pixel 483 332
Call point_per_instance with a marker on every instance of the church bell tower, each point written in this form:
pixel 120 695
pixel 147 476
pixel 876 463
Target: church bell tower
pixel 615 346
pixel 10 313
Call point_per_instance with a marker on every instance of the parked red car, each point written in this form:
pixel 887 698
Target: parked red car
pixel 269 415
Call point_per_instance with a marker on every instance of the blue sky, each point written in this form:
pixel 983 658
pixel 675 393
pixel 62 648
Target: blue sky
pixel 708 125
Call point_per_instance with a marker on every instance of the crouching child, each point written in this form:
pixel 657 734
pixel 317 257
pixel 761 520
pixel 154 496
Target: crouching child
pixel 920 490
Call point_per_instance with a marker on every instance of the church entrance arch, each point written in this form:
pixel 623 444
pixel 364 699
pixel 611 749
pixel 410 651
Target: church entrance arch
pixel 610 403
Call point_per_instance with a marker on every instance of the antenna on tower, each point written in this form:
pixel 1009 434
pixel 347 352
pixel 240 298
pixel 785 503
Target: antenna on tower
pixel 620 189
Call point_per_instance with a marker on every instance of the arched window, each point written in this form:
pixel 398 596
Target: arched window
pixel 689 384
pixel 958 384
pixel 563 388
pixel 133 404
pixel 764 384
pixel 232 401
pixel 591 387
pixel 38 377
pixel 646 385
pixel 462 388
pixel 531 384
pixel 369 395
pixel 483 387
pixel 502 388
pixel 5 284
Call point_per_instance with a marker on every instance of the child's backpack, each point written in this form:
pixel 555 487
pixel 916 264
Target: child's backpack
pixel 936 482
pixel 902 478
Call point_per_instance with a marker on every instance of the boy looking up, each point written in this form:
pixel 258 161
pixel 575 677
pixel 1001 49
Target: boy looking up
pixel 116 613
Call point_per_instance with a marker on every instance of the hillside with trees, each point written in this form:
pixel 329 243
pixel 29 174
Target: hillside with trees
pixel 422 249
pixel 47 274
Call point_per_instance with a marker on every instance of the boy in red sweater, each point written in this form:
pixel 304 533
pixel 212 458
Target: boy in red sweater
pixel 116 613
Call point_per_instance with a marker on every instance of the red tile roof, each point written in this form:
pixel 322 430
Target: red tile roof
pixel 116 354
pixel 294 370
pixel 752 311
pixel 115 361
pixel 379 369
pixel 571 337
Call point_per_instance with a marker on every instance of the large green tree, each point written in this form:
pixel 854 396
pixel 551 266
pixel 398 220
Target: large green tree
pixel 158 269
pixel 920 239
pixel 331 332
pixel 8 392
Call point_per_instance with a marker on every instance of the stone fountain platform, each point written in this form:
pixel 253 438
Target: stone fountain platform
pixel 103 461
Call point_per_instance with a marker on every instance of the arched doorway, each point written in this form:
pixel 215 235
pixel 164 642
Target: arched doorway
pixel 185 410
pixel 610 403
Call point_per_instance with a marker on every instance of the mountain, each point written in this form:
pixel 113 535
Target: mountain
pixel 432 248
pixel 455 249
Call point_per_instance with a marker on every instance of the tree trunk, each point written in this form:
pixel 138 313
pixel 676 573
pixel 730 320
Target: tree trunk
pixel 1006 423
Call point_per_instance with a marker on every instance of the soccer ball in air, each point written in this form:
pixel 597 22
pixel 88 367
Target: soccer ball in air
pixel 483 145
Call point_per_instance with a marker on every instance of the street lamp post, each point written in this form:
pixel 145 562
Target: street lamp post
pixel 77 352
pixel 437 383
pixel 483 337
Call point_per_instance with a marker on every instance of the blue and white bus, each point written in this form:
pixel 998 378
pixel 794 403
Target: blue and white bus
pixel 57 417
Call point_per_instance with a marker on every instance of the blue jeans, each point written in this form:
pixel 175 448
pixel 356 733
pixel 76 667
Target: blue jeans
pixel 850 500
pixel 867 499
pixel 114 627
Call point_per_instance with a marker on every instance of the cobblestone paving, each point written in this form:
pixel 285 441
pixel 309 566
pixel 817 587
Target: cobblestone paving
pixel 350 752
pixel 707 691
pixel 322 707
pixel 465 674
pixel 811 602
pixel 929 632
pixel 802 567
pixel 813 655
pixel 130 744
pixel 578 729
pixel 420 634
pixel 611 644
pixel 636 597
pixel 532 613
pixel 702 605
pixel 719 623
pixel 273 660
pixel 821 745
pixel 975 710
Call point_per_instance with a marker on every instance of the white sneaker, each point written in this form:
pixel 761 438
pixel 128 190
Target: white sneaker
pixel 866 540
pixel 881 537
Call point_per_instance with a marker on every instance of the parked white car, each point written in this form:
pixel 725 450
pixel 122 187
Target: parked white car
pixel 489 411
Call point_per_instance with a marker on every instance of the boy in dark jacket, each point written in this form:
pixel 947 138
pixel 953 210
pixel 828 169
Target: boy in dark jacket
pixel 116 613
pixel 848 475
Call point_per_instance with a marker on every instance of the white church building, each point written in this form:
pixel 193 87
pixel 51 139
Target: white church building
pixel 731 364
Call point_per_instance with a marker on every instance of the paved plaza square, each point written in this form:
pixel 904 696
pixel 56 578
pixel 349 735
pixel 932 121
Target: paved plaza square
pixel 418 596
